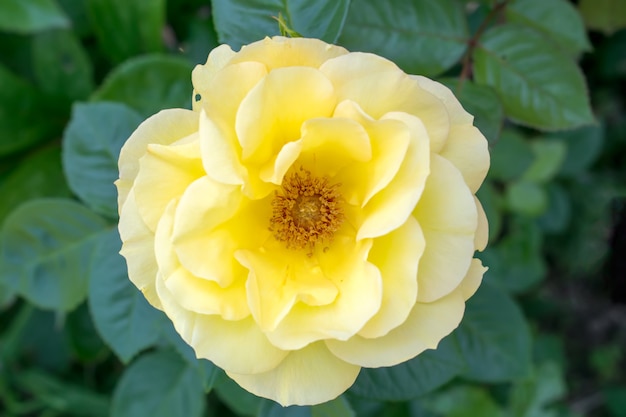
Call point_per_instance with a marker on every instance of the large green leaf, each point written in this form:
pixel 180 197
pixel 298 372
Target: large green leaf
pixel 538 84
pixel 159 384
pixel 46 246
pixel 127 28
pixel 148 84
pixel 493 337
pixel 24 117
pixel 61 65
pixel 120 312
pixel 38 175
pixel 422 37
pixel 423 374
pixel 236 398
pixel 239 22
pixel 557 19
pixel 510 157
pixel 91 147
pixel 29 16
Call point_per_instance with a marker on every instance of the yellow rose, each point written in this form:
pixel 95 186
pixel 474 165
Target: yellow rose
pixel 314 214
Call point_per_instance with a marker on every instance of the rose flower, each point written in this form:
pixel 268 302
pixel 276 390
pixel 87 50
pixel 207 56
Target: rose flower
pixel 313 214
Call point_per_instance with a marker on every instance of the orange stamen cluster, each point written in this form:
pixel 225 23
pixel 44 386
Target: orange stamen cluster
pixel 306 211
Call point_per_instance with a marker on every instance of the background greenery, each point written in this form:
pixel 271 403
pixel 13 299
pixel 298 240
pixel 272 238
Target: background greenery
pixel 543 337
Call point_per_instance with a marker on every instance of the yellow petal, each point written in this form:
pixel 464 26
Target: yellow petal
pixel 457 113
pixel 218 58
pixel 482 230
pixel 360 294
pixel 472 280
pixel 308 376
pixel 276 168
pixel 275 109
pixel 447 214
pixel 328 145
pixel 164 128
pixel 467 150
pixel 235 346
pixel 194 293
pixel 205 252
pixel 138 249
pixel 426 325
pixel 279 52
pixel 396 255
pixel 391 207
pixel 165 173
pixel 380 87
pixel 220 154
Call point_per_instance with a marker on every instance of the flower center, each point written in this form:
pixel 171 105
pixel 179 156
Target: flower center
pixel 307 210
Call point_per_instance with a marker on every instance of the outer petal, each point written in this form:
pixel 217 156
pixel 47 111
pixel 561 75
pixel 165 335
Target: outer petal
pixel 482 231
pixel 472 280
pixel 447 214
pixel 218 58
pixel 380 87
pixel 467 150
pixel 396 255
pixel 138 249
pixel 426 325
pixel 457 113
pixel 307 376
pixel 280 51
pixel 164 128
pixel 165 173
pixel 274 111
pixel 240 347
pixel 391 207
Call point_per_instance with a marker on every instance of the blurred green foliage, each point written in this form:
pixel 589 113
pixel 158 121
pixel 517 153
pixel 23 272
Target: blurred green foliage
pixel 543 337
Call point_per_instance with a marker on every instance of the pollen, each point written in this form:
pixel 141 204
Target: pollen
pixel 306 210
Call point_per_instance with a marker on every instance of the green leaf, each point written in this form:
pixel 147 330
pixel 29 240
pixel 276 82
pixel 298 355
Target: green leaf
pixel 583 148
pixel 272 409
pixel 127 28
pixel 556 19
pixel 46 247
pixel 607 16
pixel 159 384
pixel 615 397
pixel 239 22
pixel 83 337
pixel 532 397
pixel 25 182
pixel 58 395
pixel 538 84
pixel 148 84
pixel 515 263
pixel 510 157
pixel 559 213
pixel 527 198
pixel 236 398
pixel 422 37
pixel 24 117
pixel 483 103
pixel 420 375
pixel 91 148
pixel 491 202
pixel 463 401
pixel 31 16
pixel 61 65
pixel 201 40
pixel 549 155
pixel 339 407
pixel 7 295
pixel 119 310
pixel 494 337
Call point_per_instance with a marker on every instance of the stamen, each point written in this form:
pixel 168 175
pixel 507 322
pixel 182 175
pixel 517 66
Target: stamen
pixel 307 210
